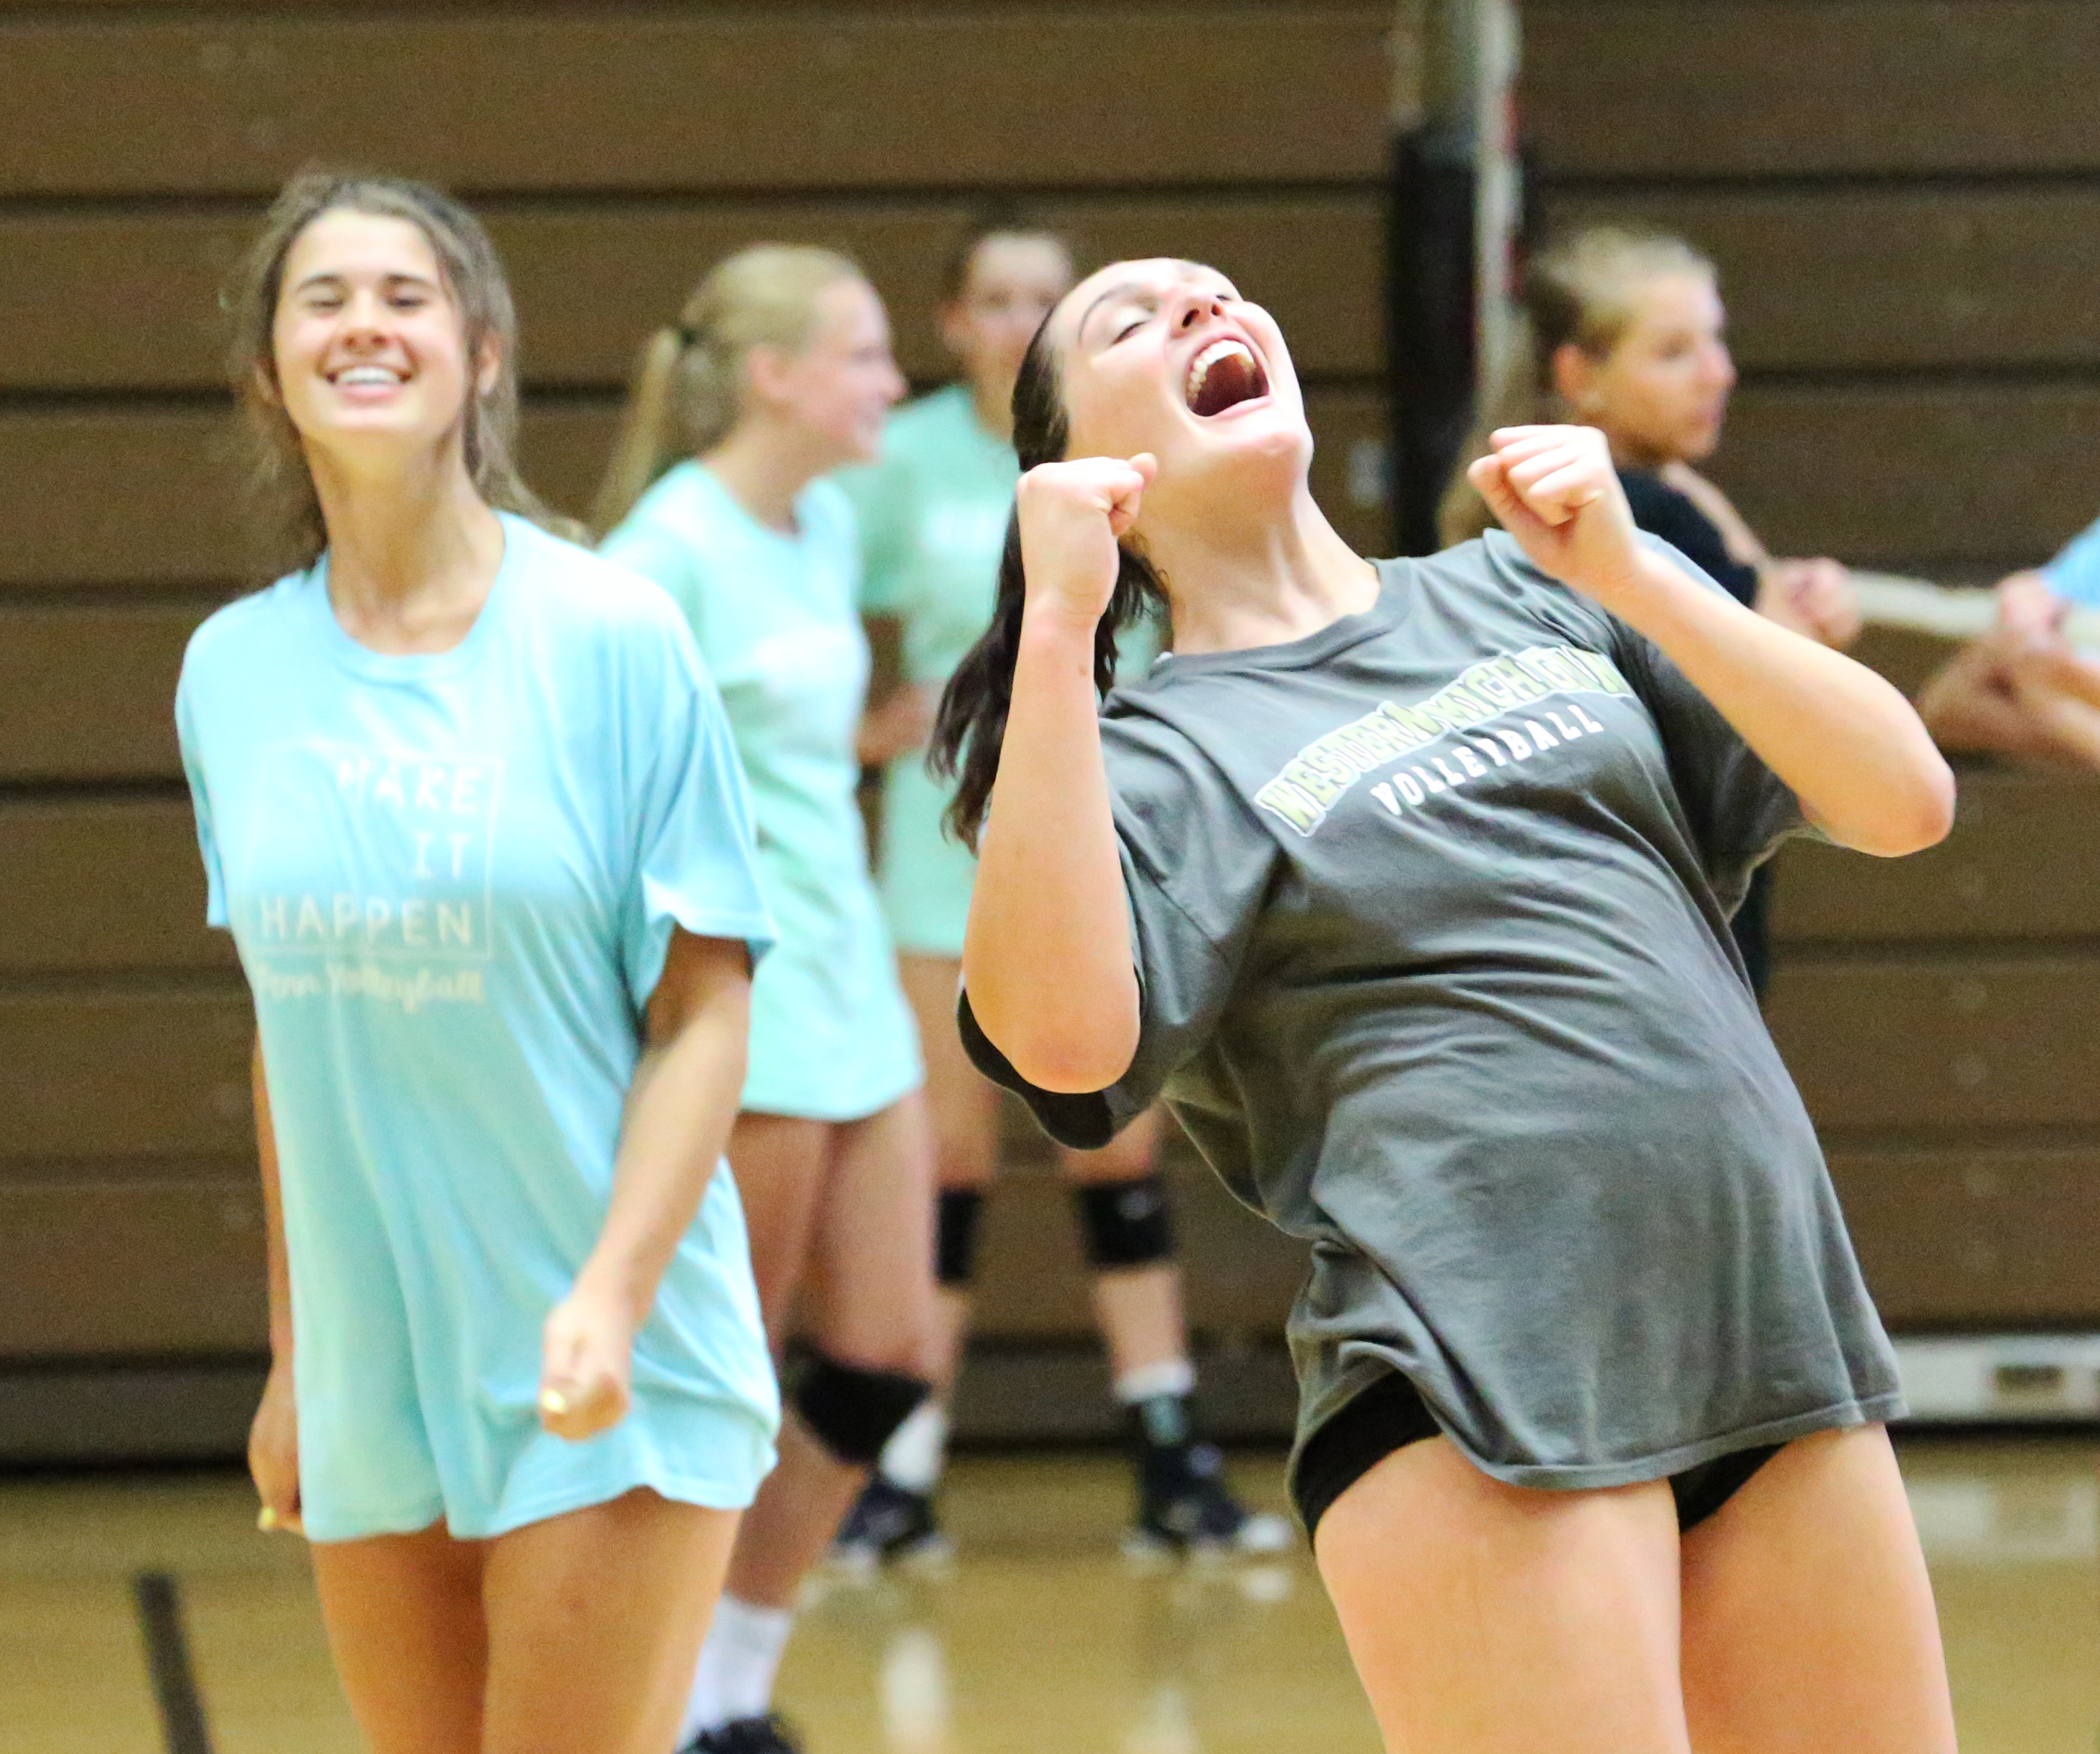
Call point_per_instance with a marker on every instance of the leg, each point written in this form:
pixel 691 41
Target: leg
pixel 866 1304
pixel 594 1621
pixel 1139 1305
pixel 404 1625
pixel 1808 1617
pixel 778 1162
pixel 963 1107
pixel 1485 1618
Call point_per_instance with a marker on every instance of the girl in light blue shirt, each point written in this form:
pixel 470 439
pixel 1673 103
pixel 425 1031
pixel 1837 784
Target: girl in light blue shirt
pixel 468 806
pixel 778 372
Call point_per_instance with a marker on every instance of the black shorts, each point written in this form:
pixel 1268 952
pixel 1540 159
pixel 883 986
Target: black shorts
pixel 1391 1414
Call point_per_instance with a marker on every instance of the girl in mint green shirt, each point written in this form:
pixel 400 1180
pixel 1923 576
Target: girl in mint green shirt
pixel 779 372
pixel 934 518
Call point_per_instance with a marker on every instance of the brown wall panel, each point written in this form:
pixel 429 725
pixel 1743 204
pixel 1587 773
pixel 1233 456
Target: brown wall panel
pixel 593 279
pixel 96 885
pixel 1976 1238
pixel 1629 88
pixel 647 100
pixel 147 498
pixel 1887 279
pixel 126 1074
pixel 1914 1043
pixel 154 1269
pixel 90 692
pixel 1929 475
pixel 2005 872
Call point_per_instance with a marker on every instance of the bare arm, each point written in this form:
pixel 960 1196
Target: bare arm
pixel 273 1437
pixel 1047 955
pixel 679 1110
pixel 1843 739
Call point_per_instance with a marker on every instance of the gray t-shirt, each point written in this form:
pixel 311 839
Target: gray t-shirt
pixel 1430 916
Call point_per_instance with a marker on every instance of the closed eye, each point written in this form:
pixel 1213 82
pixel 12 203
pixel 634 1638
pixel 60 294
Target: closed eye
pixel 1128 329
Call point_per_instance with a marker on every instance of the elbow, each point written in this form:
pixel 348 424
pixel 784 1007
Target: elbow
pixel 1075 1060
pixel 1921 817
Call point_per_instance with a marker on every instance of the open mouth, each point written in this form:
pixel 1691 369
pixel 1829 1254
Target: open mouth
pixel 1223 376
pixel 368 377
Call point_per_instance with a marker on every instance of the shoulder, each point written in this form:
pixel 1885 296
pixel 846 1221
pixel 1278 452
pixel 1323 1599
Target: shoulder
pixel 827 513
pixel 939 414
pixel 237 634
pixel 591 599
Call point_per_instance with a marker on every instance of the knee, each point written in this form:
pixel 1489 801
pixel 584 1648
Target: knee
pixel 1125 1224
pixel 853 1410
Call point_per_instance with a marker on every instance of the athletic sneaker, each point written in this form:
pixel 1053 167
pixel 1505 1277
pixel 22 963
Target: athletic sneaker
pixel 1183 1506
pixel 890 1523
pixel 769 1734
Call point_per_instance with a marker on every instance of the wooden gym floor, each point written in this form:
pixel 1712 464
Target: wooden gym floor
pixel 1039 1635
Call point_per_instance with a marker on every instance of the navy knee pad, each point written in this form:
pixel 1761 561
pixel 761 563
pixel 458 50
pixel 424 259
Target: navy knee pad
pixel 956 1249
pixel 852 1411
pixel 1125 1223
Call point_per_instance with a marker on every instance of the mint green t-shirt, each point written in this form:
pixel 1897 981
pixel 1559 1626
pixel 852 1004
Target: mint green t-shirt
pixel 933 513
pixel 775 617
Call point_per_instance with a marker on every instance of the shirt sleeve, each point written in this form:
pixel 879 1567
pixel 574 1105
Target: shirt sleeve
pixel 650 547
pixel 879 495
pixel 1195 868
pixel 2075 574
pixel 1740 810
pixel 186 732
pixel 695 849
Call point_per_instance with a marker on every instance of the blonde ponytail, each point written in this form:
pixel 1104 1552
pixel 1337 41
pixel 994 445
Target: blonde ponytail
pixel 1583 287
pixel 688 389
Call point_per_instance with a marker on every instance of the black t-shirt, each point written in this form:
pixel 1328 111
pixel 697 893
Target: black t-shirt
pixel 1662 510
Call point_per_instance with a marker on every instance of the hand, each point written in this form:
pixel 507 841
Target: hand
pixel 901 723
pixel 273 1453
pixel 1813 598
pixel 1071 516
pixel 2029 612
pixel 588 1364
pixel 1555 489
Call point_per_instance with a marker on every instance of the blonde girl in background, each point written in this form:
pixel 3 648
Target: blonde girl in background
pixel 470 808
pixel 933 516
pixel 778 372
pixel 1626 334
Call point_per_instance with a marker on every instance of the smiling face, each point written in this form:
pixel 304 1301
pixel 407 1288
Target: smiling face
pixel 1165 356
pixel 1661 393
pixel 368 342
pixel 1013 280
pixel 839 387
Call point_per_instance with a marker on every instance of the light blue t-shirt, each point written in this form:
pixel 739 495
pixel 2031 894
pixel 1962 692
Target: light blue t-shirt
pixel 2075 574
pixel 452 879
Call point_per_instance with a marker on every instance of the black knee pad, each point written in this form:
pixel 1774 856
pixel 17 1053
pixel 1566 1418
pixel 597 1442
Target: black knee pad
pixel 854 1412
pixel 955 1251
pixel 1126 1224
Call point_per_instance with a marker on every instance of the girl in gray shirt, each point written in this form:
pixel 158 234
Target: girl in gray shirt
pixel 1408 885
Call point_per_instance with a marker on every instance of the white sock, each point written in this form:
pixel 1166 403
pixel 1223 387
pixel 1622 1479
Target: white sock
pixel 1147 1382
pixel 913 1456
pixel 738 1663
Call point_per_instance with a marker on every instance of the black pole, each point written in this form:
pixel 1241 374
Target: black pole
pixel 1430 345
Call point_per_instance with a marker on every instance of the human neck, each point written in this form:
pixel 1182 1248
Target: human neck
pixel 412 550
pixel 994 404
pixel 1262 581
pixel 765 464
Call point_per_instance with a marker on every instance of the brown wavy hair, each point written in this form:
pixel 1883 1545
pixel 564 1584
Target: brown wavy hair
pixel 286 513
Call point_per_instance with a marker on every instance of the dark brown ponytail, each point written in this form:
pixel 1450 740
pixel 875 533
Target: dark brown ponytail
pixel 972 723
